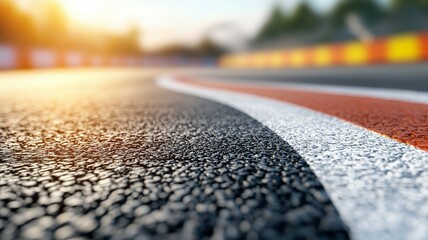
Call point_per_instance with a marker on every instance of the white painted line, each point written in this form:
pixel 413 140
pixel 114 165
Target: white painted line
pixel 379 186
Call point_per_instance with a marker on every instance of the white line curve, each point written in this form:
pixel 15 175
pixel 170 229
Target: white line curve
pixel 379 186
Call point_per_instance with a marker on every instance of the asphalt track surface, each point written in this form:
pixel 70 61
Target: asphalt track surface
pixel 397 119
pixel 378 184
pixel 410 77
pixel 230 154
pixel 112 155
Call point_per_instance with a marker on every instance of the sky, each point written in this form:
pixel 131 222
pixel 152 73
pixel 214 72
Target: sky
pixel 183 21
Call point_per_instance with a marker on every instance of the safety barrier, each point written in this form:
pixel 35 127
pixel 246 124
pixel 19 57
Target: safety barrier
pixel 8 57
pixel 12 57
pixel 405 48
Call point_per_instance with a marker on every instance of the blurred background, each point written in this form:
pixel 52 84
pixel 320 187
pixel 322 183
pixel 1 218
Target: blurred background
pixel 67 33
pixel 343 20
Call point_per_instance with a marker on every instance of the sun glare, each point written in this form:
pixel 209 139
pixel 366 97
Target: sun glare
pixel 90 12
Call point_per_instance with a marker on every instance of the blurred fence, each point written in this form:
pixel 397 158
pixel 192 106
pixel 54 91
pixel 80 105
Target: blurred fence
pixel 406 48
pixel 12 57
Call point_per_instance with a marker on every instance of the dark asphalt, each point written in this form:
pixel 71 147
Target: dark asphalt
pixel 407 77
pixel 124 159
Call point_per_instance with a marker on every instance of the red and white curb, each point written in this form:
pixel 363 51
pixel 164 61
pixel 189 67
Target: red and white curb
pixel 379 185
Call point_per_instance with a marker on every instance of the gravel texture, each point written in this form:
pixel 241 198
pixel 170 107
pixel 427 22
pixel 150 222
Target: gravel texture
pixel 127 160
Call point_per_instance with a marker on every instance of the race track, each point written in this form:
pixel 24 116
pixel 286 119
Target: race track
pixel 197 154
pixel 409 77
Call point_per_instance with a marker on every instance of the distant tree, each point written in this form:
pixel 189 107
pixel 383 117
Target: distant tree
pixel 303 19
pixel 53 25
pixel 125 44
pixel 424 4
pixel 174 50
pixel 408 15
pixel 398 5
pixel 367 10
pixel 131 40
pixel 15 26
pixel 8 14
pixel 50 27
pixel 275 25
pixel 209 48
pixel 206 48
pixel 408 6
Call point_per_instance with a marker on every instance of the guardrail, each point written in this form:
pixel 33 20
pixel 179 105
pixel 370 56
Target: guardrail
pixel 405 48
pixel 12 57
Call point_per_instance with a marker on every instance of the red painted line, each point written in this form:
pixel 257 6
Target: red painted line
pixel 403 121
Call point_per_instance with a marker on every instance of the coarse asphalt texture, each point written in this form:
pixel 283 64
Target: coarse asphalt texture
pixel 116 157
pixel 377 183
